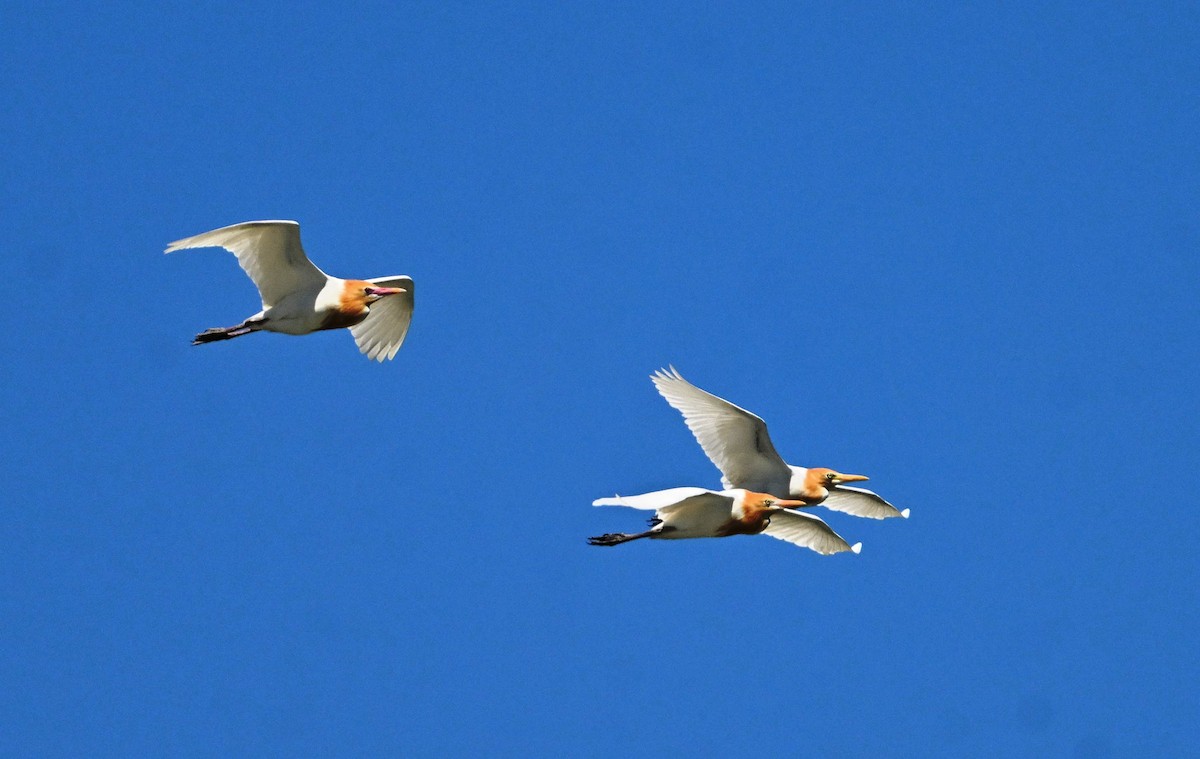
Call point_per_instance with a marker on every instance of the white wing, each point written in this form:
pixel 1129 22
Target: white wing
pixel 380 335
pixel 735 440
pixel 656 501
pixel 860 503
pixel 268 251
pixel 808 531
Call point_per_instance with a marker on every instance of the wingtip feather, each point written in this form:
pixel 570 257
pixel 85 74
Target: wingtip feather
pixel 856 548
pixel 905 513
pixel 669 373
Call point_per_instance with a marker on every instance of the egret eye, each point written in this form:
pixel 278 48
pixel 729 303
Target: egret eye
pixel 768 503
pixel 830 476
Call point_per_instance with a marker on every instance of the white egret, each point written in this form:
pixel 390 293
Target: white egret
pixel 737 443
pixel 298 298
pixel 698 513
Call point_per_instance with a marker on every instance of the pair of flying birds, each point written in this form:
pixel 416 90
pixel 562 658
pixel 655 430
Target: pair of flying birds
pixel 762 492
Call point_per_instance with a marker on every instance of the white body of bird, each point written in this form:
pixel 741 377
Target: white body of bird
pixel 681 513
pixel 298 298
pixel 737 443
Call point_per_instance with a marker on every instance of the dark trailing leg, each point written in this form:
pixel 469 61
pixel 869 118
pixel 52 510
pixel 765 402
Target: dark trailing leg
pixel 224 333
pixel 614 538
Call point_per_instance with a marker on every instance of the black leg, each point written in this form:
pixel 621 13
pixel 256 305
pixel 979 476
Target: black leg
pixel 615 538
pixel 225 333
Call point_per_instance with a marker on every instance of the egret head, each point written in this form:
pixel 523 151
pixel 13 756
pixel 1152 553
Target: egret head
pixel 771 503
pixel 359 294
pixel 828 478
pixel 373 293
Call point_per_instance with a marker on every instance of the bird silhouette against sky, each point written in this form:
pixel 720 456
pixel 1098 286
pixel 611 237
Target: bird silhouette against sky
pixel 298 298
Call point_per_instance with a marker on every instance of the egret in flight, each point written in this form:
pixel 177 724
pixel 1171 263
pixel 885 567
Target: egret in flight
pixel 736 442
pixel 298 298
pixel 699 513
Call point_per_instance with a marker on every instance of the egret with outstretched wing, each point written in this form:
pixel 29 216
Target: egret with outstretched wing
pixel 736 441
pixel 298 298
pixel 698 513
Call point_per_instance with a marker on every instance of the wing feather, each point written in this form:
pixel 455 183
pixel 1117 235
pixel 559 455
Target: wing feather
pixel 808 531
pixel 657 501
pixel 860 502
pixel 268 251
pixel 735 440
pixel 381 334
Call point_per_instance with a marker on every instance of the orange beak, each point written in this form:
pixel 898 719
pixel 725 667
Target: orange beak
pixel 791 504
pixel 379 292
pixel 851 478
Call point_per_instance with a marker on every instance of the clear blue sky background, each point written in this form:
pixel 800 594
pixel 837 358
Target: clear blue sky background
pixel 953 248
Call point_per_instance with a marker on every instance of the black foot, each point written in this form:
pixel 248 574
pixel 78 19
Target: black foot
pixel 212 335
pixel 609 539
pixel 221 333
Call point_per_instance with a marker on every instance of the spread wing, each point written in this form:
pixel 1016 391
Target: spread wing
pixel 659 500
pixel 735 440
pixel 808 531
pixel 268 251
pixel 380 335
pixel 860 503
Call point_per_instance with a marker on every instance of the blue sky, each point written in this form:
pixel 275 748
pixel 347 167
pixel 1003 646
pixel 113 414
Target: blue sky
pixel 953 248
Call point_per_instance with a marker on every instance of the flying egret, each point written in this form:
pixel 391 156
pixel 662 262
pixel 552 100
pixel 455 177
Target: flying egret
pixel 298 298
pixel 736 442
pixel 699 513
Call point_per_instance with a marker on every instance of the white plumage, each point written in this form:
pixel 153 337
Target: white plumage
pixel 298 298
pixel 737 443
pixel 681 513
pixel 381 334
